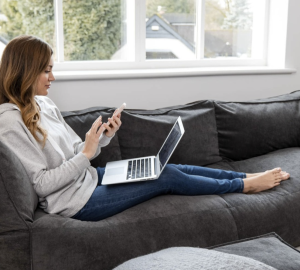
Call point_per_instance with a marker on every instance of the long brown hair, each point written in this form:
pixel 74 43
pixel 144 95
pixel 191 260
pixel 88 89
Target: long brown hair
pixel 23 60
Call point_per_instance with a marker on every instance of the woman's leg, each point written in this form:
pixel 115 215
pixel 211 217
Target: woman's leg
pixel 209 172
pixel 112 199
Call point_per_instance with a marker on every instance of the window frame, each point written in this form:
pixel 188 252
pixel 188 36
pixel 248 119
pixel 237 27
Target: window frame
pixel 137 40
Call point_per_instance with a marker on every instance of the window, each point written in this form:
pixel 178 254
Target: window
pixel 25 17
pixel 128 34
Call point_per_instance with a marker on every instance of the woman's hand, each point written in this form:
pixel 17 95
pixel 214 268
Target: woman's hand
pixel 92 138
pixel 113 124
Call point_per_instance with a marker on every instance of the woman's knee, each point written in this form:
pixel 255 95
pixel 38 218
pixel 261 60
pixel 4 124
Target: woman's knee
pixel 171 174
pixel 170 169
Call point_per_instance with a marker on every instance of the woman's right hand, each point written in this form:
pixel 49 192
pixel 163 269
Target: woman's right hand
pixel 92 138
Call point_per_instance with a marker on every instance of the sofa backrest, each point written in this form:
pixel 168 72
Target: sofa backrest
pixel 144 131
pixel 81 121
pixel 249 129
pixel 18 199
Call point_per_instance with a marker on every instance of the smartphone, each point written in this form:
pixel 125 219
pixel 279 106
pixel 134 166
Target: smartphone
pixel 120 109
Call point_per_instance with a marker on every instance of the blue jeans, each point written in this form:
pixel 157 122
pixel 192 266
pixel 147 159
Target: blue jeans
pixel 109 200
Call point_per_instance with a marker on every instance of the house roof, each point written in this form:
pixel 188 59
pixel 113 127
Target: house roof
pixel 163 30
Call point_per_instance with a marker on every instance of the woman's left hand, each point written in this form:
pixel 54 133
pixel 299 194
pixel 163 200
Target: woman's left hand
pixel 113 124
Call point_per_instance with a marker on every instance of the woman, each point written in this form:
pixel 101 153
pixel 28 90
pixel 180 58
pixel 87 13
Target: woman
pixel 58 162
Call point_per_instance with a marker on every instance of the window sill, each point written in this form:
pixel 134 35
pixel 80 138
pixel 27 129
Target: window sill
pixel 169 72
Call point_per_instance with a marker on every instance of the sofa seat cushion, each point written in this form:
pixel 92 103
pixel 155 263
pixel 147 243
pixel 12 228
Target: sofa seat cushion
pixel 275 210
pixel 159 223
pixel 287 159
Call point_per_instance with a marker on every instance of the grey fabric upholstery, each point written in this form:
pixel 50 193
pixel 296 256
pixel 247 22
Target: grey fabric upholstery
pixel 162 222
pixel 144 132
pixel 18 199
pixel 269 249
pixel 187 258
pixel 272 210
pixel 30 238
pixel 18 202
pixel 244 127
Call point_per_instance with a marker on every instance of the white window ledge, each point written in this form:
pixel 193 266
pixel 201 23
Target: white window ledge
pixel 174 72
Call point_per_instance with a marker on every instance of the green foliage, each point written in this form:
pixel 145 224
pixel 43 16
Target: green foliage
pixel 238 15
pixel 92 29
pixel 28 17
pixel 38 18
pixel 214 15
pixel 170 6
pixel 14 25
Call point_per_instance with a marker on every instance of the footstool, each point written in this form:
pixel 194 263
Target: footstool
pixel 266 252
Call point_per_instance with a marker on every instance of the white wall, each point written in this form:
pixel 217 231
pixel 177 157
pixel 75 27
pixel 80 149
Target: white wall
pixel 152 93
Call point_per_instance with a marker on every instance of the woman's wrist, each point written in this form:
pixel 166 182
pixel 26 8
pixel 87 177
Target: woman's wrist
pixel 87 155
pixel 108 136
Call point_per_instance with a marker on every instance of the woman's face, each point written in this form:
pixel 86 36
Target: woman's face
pixel 44 80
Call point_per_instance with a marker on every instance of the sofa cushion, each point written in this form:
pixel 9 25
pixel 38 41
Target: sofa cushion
pixel 18 199
pixel 269 249
pixel 143 133
pixel 275 210
pixel 249 129
pixel 159 223
pixel 81 121
pixel 15 250
pixel 187 258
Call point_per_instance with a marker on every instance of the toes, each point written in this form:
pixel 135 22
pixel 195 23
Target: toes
pixel 278 169
pixel 286 176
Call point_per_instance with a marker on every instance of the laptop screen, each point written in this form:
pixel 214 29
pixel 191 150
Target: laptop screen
pixel 169 145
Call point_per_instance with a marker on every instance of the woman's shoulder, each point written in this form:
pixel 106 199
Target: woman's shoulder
pixel 10 117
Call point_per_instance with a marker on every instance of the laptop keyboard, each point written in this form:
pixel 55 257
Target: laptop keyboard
pixel 138 168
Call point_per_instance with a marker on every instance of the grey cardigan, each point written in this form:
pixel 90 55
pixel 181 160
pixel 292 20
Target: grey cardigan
pixel 60 174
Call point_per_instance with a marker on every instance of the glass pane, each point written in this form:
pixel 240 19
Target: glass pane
pixel 229 28
pixel 170 29
pixel 94 30
pixel 30 17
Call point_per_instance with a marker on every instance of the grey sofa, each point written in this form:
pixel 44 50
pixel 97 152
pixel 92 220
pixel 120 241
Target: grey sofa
pixel 243 136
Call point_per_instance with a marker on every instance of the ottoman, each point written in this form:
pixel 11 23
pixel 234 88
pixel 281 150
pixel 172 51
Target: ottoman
pixel 266 252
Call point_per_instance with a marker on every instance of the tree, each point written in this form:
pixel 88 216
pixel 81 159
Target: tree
pixel 238 15
pixel 169 6
pixel 214 14
pixel 92 29
pixel 13 26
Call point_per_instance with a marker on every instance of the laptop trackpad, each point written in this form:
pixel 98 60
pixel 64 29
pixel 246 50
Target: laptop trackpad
pixel 114 171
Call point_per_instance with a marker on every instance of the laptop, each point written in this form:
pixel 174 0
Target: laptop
pixel 144 168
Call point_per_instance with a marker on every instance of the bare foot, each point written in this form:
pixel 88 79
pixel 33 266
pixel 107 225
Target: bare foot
pixel 283 174
pixel 264 181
